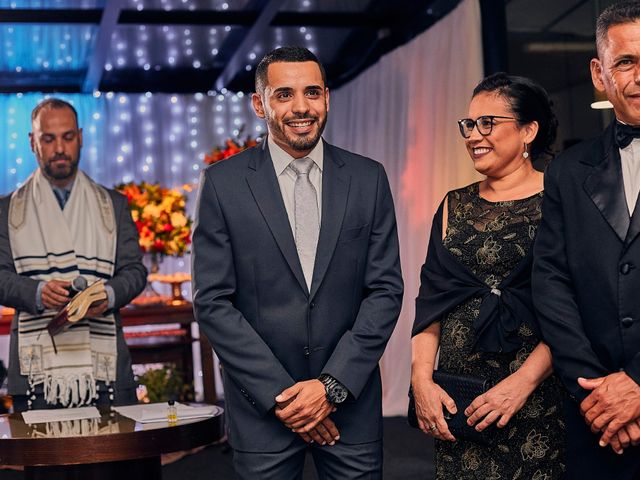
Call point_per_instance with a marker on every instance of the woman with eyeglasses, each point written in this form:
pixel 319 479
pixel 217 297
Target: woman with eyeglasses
pixel 475 306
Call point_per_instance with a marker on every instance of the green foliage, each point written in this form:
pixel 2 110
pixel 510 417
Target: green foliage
pixel 166 383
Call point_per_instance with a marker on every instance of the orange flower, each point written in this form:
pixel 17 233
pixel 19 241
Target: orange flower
pixel 160 217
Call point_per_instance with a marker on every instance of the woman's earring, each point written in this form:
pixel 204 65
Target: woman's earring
pixel 525 154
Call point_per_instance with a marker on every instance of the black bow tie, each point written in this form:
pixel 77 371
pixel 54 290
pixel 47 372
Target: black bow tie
pixel 625 134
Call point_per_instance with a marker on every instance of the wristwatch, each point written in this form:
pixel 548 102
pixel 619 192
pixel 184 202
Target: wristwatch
pixel 336 392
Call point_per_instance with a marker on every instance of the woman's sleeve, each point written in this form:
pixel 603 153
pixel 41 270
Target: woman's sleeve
pixel 430 274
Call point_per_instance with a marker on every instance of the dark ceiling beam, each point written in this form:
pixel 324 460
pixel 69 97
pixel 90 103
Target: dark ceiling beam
pixel 108 24
pixel 356 49
pixel 564 15
pixel 246 18
pixel 339 19
pixel 251 39
pixel 61 81
pixel 363 47
pixel 166 80
pixel 27 15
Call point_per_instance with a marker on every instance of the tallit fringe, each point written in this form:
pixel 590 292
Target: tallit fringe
pixel 70 390
pixel 72 428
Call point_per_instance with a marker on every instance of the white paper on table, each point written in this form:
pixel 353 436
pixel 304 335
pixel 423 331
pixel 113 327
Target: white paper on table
pixel 59 414
pixel 157 412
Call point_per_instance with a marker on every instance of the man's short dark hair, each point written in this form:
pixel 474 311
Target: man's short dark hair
pixel 622 12
pixel 284 54
pixel 52 103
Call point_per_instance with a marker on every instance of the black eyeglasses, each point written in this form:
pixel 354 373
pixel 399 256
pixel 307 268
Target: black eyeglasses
pixel 484 123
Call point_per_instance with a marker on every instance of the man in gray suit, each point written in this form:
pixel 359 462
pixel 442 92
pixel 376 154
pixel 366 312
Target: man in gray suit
pixel 297 285
pixel 55 228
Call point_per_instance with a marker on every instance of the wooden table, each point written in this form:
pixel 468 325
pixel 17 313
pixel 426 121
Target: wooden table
pixel 113 447
pixel 161 351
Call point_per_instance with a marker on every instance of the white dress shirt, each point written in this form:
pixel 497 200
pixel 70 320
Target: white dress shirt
pixel 630 159
pixel 287 177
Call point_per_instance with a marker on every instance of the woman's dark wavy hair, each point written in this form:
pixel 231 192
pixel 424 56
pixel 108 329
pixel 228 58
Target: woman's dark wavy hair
pixel 528 102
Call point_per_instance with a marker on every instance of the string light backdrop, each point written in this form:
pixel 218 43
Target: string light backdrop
pixel 152 137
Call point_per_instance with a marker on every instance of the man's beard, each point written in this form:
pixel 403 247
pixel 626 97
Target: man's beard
pixel 61 173
pixel 300 143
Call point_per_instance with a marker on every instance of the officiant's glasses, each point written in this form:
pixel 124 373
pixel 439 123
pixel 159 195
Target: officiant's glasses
pixel 484 123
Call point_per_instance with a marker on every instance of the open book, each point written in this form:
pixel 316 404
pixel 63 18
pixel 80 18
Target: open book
pixel 77 308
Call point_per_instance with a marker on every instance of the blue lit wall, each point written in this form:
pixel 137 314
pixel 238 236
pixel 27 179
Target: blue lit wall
pixel 152 137
pixel 36 48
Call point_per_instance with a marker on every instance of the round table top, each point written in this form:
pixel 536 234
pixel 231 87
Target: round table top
pixel 112 437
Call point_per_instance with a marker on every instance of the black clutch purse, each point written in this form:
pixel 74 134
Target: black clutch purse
pixel 463 389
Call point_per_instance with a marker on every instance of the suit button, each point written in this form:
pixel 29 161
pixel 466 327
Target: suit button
pixel 627 322
pixel 312 304
pixel 625 268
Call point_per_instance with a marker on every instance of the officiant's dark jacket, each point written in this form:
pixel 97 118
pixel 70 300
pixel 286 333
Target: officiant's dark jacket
pixel 128 280
pixel 252 301
pixel 586 287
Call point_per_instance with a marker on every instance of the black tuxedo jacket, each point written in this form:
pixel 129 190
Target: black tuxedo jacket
pixel 586 272
pixel 252 301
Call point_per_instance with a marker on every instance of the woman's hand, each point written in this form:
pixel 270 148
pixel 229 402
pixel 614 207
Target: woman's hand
pixel 499 403
pixel 430 399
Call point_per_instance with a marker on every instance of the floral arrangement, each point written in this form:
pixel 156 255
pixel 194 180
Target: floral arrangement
pixel 231 147
pixel 159 214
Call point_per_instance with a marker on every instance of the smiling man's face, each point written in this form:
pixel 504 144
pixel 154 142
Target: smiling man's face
pixel 295 103
pixel 617 70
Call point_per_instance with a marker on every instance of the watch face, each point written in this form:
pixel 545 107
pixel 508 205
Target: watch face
pixel 337 394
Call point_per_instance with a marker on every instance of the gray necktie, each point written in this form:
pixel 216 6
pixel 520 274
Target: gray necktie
pixel 61 196
pixel 306 216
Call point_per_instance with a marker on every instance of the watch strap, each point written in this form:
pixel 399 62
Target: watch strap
pixel 336 392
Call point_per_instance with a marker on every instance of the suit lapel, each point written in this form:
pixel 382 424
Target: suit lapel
pixel 605 186
pixel 335 191
pixel 264 186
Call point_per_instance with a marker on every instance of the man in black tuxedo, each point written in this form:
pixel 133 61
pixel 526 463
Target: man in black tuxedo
pixel 586 274
pixel 297 285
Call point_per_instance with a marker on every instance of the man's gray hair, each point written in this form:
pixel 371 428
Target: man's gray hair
pixel 627 11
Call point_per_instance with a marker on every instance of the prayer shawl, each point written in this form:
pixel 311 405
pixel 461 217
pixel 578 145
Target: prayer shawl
pixel 50 243
pixel 445 283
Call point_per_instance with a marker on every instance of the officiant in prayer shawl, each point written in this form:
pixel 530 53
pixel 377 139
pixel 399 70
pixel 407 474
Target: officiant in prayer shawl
pixel 57 226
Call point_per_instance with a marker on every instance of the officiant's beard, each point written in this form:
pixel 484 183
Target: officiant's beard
pixel 56 170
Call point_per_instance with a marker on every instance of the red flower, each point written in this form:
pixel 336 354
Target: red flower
pixel 231 147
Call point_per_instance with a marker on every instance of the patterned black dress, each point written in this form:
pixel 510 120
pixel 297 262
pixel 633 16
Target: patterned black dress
pixel 491 238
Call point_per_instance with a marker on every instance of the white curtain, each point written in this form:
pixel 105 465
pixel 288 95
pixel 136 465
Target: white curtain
pixel 402 112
